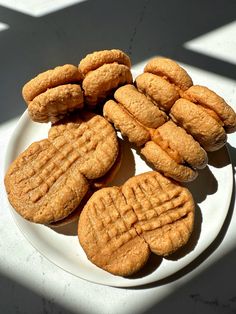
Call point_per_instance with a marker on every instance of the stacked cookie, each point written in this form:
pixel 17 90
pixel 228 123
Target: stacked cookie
pixel 103 72
pixel 53 93
pixel 181 121
pixel 170 120
pixel 51 180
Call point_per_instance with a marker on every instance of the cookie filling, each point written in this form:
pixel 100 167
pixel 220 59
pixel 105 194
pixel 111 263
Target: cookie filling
pixel 164 144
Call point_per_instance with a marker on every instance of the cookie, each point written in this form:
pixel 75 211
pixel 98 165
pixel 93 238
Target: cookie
pixel 175 153
pixel 55 103
pixel 142 109
pixel 93 186
pixel 104 71
pixel 120 226
pixel 166 146
pixel 110 175
pixel 96 59
pixel 215 105
pixel 163 81
pixel 60 75
pixel 133 114
pixel 123 121
pixel 162 93
pixel 180 146
pixel 50 178
pixel 54 92
pixel 171 71
pixel 199 123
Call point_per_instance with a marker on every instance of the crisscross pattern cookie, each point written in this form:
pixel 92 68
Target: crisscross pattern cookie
pixel 120 227
pixel 49 179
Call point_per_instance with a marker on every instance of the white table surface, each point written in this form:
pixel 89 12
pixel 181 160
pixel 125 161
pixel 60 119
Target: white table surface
pixel 29 283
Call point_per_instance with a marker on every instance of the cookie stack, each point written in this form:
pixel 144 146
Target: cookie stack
pixel 171 121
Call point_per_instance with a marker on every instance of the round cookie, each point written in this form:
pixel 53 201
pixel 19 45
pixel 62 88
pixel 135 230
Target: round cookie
pixel 217 106
pixel 88 140
pixel 96 59
pixel 50 178
pixel 39 189
pixel 171 71
pixel 120 226
pixel 199 123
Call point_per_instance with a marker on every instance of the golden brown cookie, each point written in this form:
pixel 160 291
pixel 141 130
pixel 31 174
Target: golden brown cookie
pixel 171 150
pixel 49 179
pixel 199 123
pixel 216 106
pixel 174 153
pixel 110 175
pixel 161 92
pixel 163 81
pixel 100 83
pixel 126 123
pixel 142 109
pixel 96 59
pixel 55 103
pixel 104 71
pixel 169 70
pixel 60 75
pixel 120 226
pixel 163 162
pixel 180 145
pixel 53 93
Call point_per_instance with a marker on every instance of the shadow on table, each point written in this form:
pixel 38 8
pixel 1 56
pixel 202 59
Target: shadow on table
pixel 18 299
pixel 210 292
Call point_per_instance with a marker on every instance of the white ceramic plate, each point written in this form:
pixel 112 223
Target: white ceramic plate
pixel 211 190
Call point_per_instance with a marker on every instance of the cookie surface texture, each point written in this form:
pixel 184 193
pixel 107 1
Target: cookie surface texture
pixel 55 103
pixel 100 83
pixel 96 59
pixel 49 179
pixel 215 104
pixel 137 104
pixel 54 93
pixel 199 123
pixel 126 123
pixel 120 226
pixel 169 69
pixel 104 71
pixel 60 75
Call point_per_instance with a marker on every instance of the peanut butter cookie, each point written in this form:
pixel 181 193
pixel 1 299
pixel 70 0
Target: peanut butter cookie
pixel 197 121
pixel 103 72
pixel 120 226
pixel 50 178
pixel 53 93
